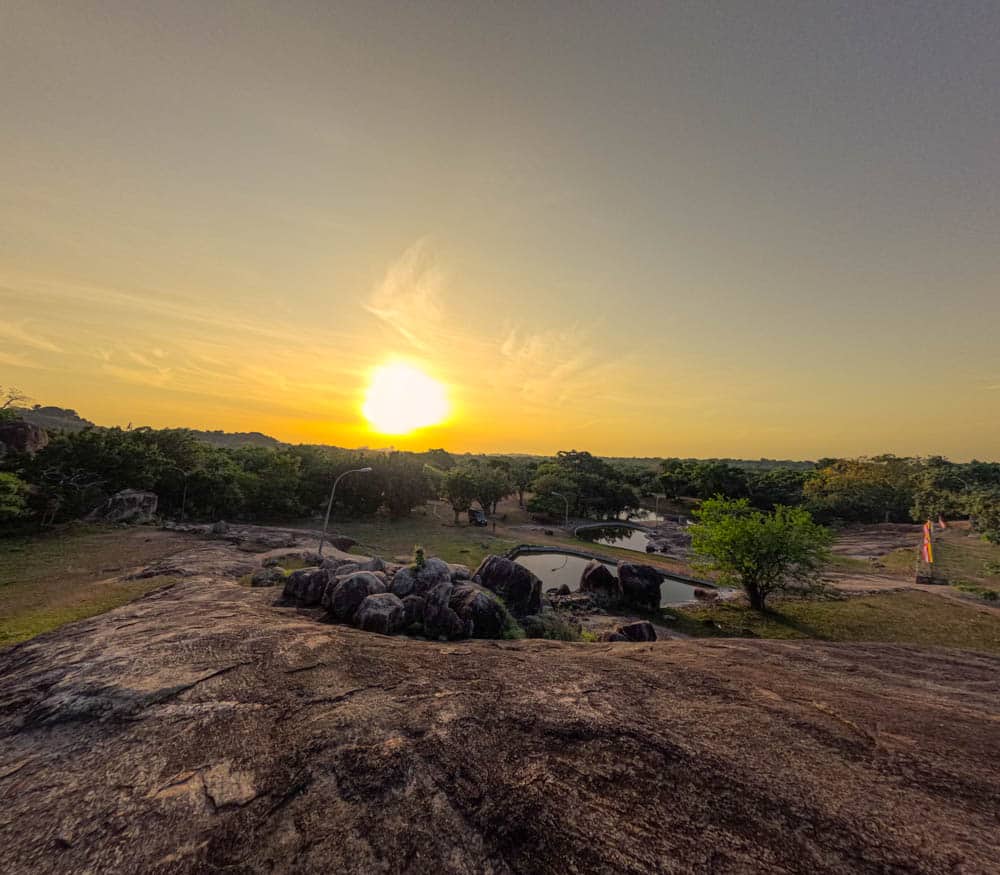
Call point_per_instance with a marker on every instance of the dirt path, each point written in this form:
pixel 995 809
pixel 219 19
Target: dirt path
pixel 203 729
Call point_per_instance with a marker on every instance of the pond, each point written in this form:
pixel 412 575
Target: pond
pixel 557 569
pixel 615 536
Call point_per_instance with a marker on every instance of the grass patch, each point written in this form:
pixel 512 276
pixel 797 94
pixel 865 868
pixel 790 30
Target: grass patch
pixel 983 592
pixel 53 579
pixel 387 537
pixel 896 617
pixel 958 557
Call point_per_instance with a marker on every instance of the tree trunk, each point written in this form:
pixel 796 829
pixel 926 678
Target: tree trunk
pixel 756 597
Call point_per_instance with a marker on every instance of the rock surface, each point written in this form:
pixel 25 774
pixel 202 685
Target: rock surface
pixel 201 729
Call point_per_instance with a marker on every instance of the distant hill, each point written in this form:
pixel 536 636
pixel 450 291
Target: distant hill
pixel 65 419
pixel 54 418
pixel 234 439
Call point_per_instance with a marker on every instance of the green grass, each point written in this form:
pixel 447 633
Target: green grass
pixel 958 558
pixel 388 537
pixel 983 592
pixel 47 581
pixel 898 617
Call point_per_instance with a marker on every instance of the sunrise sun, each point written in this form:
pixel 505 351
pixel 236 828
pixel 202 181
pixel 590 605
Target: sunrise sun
pixel 402 398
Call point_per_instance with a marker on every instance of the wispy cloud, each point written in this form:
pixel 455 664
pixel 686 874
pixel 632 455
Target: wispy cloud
pixel 22 333
pixel 408 299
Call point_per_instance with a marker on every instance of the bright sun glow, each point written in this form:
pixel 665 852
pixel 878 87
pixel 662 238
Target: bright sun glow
pixel 402 398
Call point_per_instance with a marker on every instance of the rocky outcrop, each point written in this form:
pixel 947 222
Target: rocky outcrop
pixel 520 590
pixel 382 613
pixel 21 437
pixel 640 585
pixel 133 506
pixel 344 595
pixel 598 581
pixel 200 730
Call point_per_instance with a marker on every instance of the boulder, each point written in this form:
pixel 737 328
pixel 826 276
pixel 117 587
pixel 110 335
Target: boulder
pixel 22 437
pixel 459 572
pixel 520 590
pixel 598 580
pixel 640 585
pixel 134 506
pixel 482 612
pixel 640 631
pixel 373 564
pixel 272 575
pixel 413 605
pixel 344 595
pixel 220 527
pixel 340 567
pixel 306 586
pixel 705 595
pixel 382 613
pixel 440 621
pixel 412 580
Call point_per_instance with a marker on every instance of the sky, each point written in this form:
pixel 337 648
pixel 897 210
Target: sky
pixel 668 229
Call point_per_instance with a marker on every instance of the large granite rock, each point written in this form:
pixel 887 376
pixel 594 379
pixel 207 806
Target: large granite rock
pixel 135 506
pixel 306 586
pixel 440 620
pixel 21 437
pixel 520 590
pixel 640 585
pixel 344 595
pixel 641 630
pixel 599 582
pixel 381 612
pixel 482 612
pixel 417 580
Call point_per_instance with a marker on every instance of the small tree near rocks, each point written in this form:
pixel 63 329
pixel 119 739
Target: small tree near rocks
pixel 761 552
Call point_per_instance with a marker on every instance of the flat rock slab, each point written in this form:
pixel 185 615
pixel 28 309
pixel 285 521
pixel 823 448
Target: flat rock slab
pixel 203 729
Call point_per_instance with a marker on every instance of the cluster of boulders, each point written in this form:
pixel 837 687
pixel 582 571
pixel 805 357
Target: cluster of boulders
pixel 431 596
pixel 670 539
pixel 636 586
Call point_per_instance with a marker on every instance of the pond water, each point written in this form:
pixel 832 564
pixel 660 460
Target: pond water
pixel 616 536
pixel 556 569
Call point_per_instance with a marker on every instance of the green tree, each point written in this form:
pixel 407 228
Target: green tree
pixel 404 482
pixel 522 472
pixel 983 507
pixel 863 490
pixel 492 484
pixel 460 490
pixel 761 552
pixel 13 503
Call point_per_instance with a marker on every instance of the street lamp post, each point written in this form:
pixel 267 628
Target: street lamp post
pixel 329 504
pixel 566 500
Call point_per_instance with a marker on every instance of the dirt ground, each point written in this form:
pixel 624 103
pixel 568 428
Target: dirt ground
pixel 204 729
